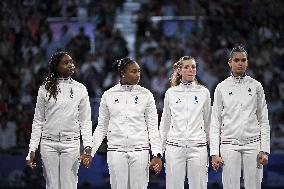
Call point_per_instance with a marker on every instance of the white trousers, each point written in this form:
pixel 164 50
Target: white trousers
pixel 60 163
pixel 236 158
pixel 193 160
pixel 128 170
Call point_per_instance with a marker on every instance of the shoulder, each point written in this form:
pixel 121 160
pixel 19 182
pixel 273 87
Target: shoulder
pixel 202 88
pixel 224 83
pixel 143 90
pixel 172 89
pixel 253 81
pixel 79 85
pixel 115 88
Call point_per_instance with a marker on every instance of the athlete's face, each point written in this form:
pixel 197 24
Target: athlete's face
pixel 238 63
pixel 66 66
pixel 131 75
pixel 188 70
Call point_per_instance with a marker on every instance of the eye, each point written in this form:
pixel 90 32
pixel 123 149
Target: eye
pixel 69 61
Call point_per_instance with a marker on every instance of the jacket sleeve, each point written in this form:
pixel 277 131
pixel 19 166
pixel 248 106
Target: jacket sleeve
pixel 102 127
pixel 151 117
pixel 207 114
pixel 38 121
pixel 216 121
pixel 85 119
pixel 165 122
pixel 262 116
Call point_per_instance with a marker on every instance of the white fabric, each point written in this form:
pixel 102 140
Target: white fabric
pixel 186 114
pixel 238 157
pixel 239 112
pixel 70 114
pixel 57 124
pixel 60 163
pixel 128 170
pixel 184 131
pixel 191 160
pixel 128 116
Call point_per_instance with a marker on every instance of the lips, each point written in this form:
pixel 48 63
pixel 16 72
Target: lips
pixel 71 71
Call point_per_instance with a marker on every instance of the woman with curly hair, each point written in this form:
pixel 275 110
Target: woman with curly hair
pixel 62 112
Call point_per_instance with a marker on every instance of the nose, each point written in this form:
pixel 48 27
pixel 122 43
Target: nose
pixel 71 65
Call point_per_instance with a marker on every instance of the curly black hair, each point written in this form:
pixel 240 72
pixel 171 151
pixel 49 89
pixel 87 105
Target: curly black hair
pixel 51 83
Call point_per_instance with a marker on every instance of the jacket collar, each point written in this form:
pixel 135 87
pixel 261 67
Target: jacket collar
pixel 187 85
pixel 238 79
pixel 64 79
pixel 127 87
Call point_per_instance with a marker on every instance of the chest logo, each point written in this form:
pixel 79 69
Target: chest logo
pixel 178 101
pixel 230 93
pixel 249 90
pixel 136 99
pixel 71 93
pixel 195 100
pixel 116 101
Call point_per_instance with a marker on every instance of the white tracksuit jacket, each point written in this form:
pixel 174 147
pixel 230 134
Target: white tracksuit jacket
pixel 128 116
pixel 239 112
pixel 69 115
pixel 186 115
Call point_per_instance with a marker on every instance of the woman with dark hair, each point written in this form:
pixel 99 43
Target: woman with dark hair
pixel 184 127
pixel 240 131
pixel 62 112
pixel 128 116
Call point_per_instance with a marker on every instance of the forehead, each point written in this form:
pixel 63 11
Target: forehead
pixel 188 62
pixel 133 66
pixel 239 55
pixel 66 57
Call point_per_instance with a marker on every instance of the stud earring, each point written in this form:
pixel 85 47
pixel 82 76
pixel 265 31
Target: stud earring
pixel 123 76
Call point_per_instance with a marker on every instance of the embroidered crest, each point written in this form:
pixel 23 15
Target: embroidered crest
pixel 249 90
pixel 136 99
pixel 178 101
pixel 196 100
pixel 71 93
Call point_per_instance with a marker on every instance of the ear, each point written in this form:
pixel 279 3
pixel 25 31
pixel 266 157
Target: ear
pixel 230 63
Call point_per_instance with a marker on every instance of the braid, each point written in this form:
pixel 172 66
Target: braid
pixel 51 83
pixel 176 77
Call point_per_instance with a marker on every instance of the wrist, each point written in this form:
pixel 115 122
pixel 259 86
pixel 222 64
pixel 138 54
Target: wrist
pixel 88 150
pixel 266 153
pixel 158 155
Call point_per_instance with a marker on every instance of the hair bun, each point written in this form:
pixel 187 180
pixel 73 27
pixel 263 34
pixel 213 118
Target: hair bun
pixel 119 65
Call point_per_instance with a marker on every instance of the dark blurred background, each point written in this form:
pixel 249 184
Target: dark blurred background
pixel 156 33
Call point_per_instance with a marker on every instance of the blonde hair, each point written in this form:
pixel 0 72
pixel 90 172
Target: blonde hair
pixel 176 76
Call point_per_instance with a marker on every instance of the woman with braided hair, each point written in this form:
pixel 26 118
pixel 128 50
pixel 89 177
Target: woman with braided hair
pixel 184 127
pixel 62 112
pixel 128 116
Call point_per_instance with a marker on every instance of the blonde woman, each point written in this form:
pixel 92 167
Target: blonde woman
pixel 184 127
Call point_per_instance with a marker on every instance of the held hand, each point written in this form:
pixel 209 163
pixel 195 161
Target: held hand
pixel 263 158
pixel 156 164
pixel 217 161
pixel 31 162
pixel 86 160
